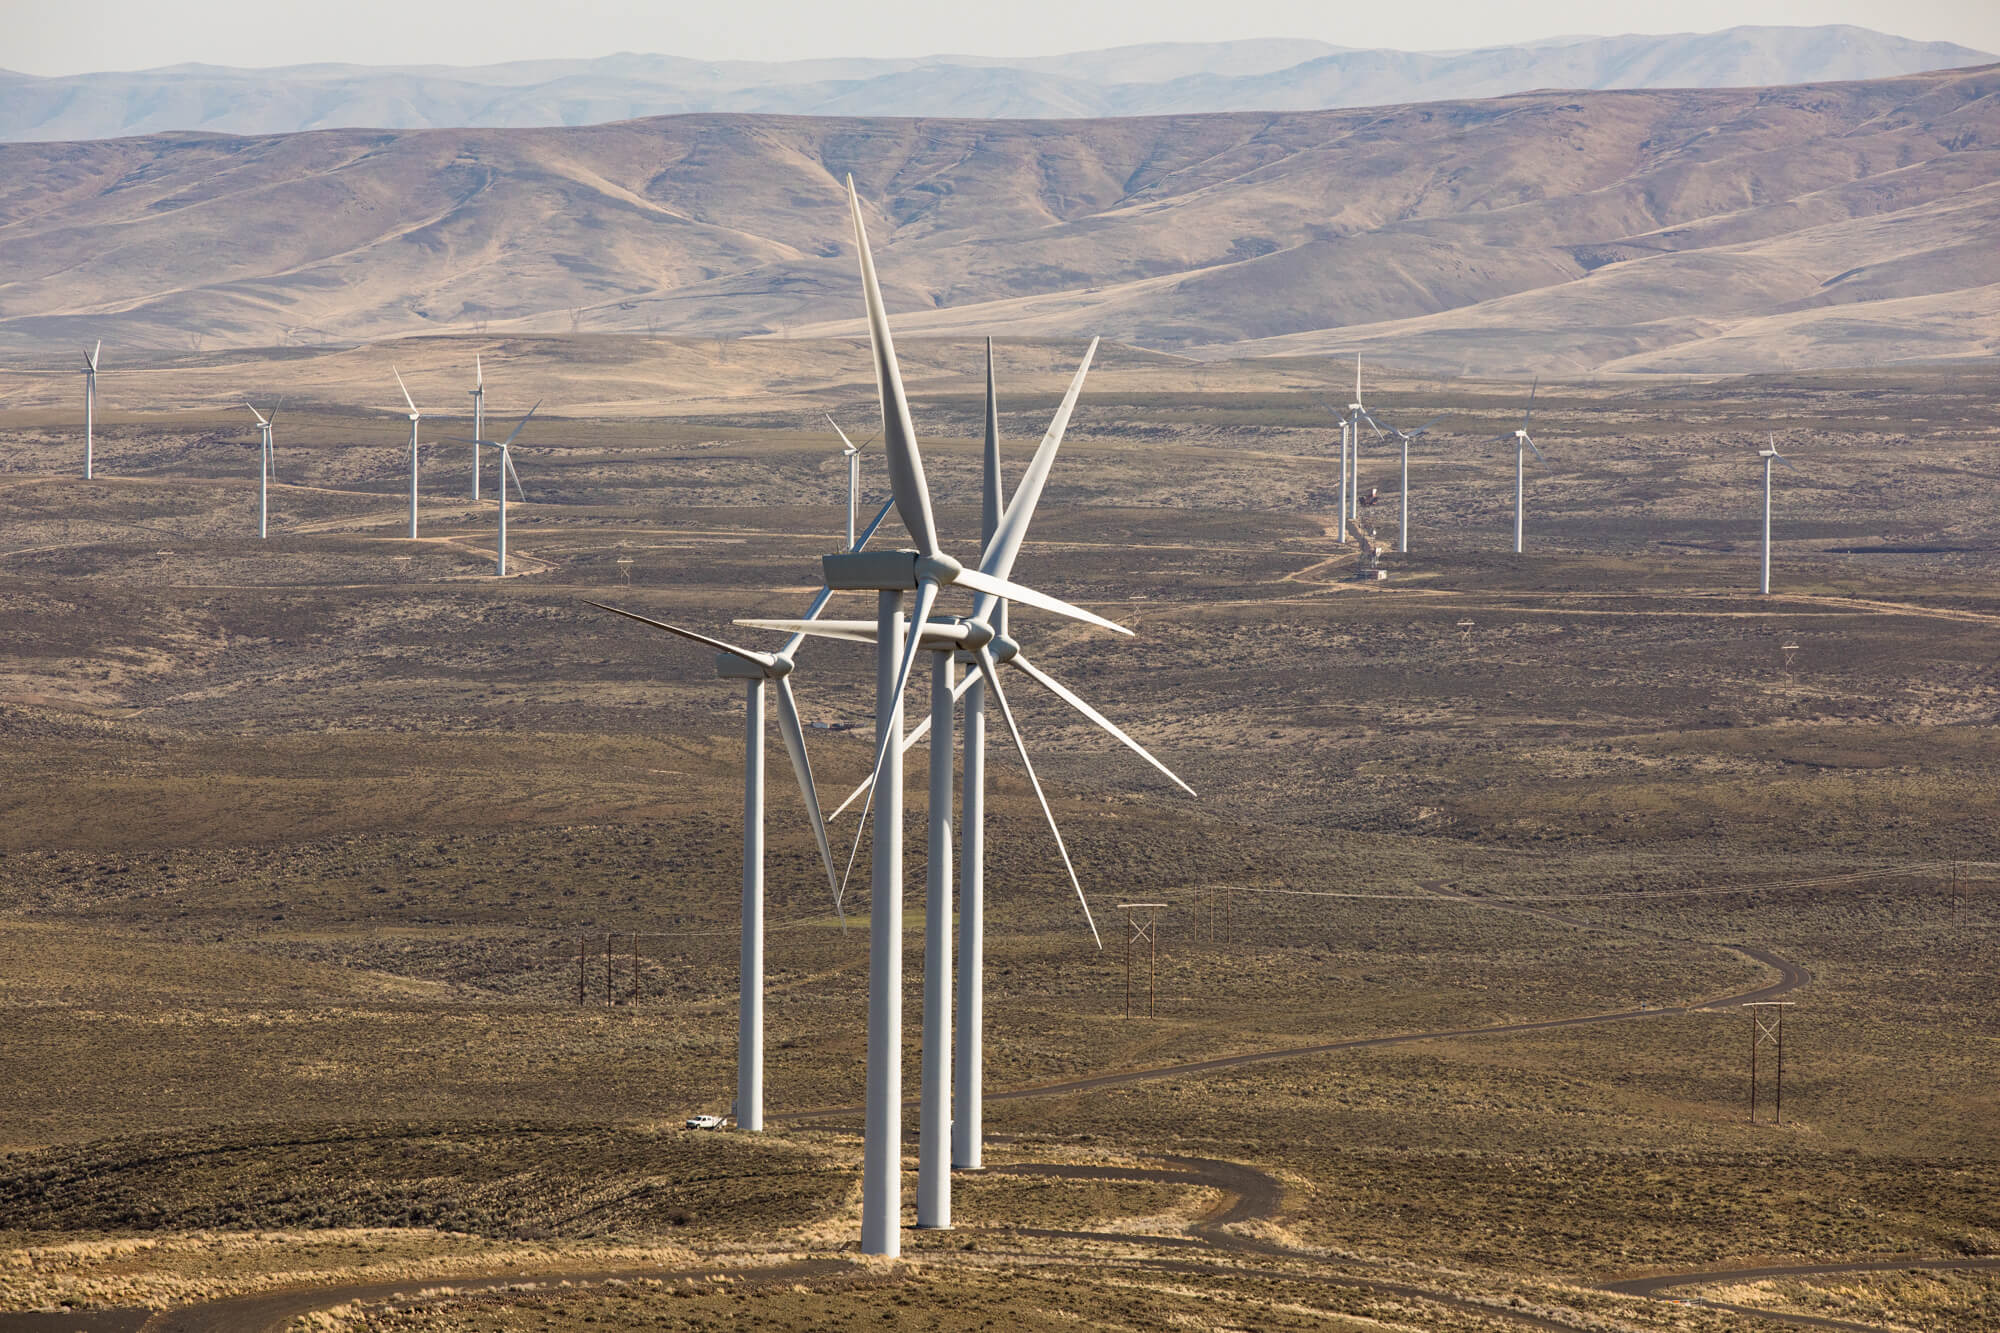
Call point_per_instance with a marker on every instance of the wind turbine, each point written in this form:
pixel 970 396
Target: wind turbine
pixel 852 453
pixel 755 669
pixel 1523 442
pixel 926 571
pixel 506 471
pixel 1770 456
pixel 478 395
pixel 90 409
pixel 1357 414
pixel 1403 523
pixel 265 462
pixel 415 416
pixel 948 642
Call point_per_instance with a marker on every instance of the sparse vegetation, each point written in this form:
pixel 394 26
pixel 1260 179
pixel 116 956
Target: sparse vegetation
pixel 299 843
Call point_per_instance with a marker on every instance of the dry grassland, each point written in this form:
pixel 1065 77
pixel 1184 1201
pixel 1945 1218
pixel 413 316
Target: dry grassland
pixel 299 841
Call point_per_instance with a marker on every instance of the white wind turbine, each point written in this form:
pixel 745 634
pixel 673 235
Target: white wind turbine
pixel 1523 442
pixel 1403 522
pixel 966 1121
pixel 852 453
pixel 1770 456
pixel 926 571
pixel 266 464
pixel 506 471
pixel 90 409
pixel 415 417
pixel 1356 414
pixel 478 395
pixel 755 669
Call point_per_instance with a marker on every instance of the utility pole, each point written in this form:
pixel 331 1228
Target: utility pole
pixel 1767 1028
pixel 1142 930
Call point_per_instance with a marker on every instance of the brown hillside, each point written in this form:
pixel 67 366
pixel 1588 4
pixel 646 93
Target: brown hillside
pixel 1682 230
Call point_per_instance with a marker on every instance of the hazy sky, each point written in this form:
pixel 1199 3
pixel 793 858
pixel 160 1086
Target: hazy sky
pixel 45 37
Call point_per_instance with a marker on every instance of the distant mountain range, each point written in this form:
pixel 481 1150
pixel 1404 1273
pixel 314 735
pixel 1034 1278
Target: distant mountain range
pixel 1654 230
pixel 1161 79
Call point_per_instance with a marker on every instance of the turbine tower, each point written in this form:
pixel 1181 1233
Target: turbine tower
pixel 478 394
pixel 506 471
pixel 265 463
pixel 415 416
pixel 1405 437
pixel 1770 456
pixel 1523 442
pixel 925 571
pixel 1358 414
pixel 90 409
pixel 852 453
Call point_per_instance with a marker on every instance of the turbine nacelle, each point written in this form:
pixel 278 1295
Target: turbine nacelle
pixel 736 666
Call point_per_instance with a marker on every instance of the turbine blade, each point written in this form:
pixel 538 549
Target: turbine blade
pixel 899 435
pixel 869 531
pixel 96 352
pixel 991 504
pixel 1015 592
pixel 1062 692
pixel 507 457
pixel 522 422
pixel 1001 551
pixel 927 591
pixel 478 372
pixel 1428 424
pixel 910 740
pixel 850 446
pixel 795 746
pixel 406 391
pixel 1530 442
pixel 1357 377
pixel 259 415
pixel 993 680
pixel 851 631
pixel 762 659
pixel 1532 390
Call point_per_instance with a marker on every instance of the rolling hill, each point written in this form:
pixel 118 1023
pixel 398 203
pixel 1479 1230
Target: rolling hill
pixel 1150 80
pixel 1668 230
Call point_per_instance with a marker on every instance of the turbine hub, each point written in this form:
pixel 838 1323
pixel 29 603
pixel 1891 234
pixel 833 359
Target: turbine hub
pixel 1004 649
pixel 940 567
pixel 979 633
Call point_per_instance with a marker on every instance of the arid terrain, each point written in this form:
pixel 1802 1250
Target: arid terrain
pixel 1660 231
pixel 311 851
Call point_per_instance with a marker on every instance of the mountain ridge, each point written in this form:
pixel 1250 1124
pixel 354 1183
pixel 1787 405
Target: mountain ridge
pixel 1632 230
pixel 1146 79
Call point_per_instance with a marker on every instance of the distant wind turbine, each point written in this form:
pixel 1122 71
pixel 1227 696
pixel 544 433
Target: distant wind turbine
pixel 506 471
pixel 478 395
pixel 852 453
pixel 265 465
pixel 1405 437
pixel 1770 456
pixel 90 409
pixel 415 417
pixel 1523 442
pixel 1357 414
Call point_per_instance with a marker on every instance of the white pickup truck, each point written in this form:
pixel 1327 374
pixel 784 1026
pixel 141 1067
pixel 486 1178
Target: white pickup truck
pixel 708 1122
